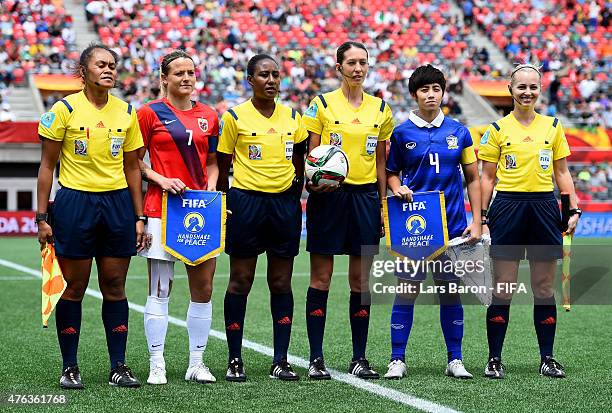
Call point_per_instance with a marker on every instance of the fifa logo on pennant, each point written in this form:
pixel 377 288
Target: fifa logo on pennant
pixel 415 224
pixel 193 222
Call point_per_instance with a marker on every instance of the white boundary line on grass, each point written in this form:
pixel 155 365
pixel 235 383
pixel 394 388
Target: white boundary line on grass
pixel 376 389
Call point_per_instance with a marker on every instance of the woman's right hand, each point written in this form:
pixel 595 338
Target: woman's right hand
pixel 320 188
pixel 403 192
pixel 45 234
pixel 172 185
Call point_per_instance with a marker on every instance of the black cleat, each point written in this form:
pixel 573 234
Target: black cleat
pixel 235 371
pixel 71 379
pixel 122 376
pixel 317 370
pixel 283 371
pixel 551 368
pixel 495 369
pixel 361 368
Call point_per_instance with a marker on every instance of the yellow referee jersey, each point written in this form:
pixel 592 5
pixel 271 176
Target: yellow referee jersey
pixel 262 147
pixel 93 141
pixel 356 130
pixel 524 154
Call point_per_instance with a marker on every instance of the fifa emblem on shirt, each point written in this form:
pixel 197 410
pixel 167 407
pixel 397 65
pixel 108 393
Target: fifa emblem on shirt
pixel 193 222
pixel 545 158
pixel 203 124
pixel 80 147
pixel 415 224
pixel 452 142
pixel 255 152
pixel 116 145
pixel 335 139
pixel 510 161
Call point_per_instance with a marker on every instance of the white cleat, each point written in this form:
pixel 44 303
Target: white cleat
pixel 397 370
pixel 200 374
pixel 157 374
pixel 457 370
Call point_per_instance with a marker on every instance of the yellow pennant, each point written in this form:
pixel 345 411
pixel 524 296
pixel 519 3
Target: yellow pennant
pixel 53 283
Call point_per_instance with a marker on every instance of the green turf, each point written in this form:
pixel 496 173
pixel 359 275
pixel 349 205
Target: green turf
pixel 32 363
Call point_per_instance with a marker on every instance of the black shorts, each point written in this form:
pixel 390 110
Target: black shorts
pixel 529 221
pixel 346 221
pixel 263 222
pixel 94 224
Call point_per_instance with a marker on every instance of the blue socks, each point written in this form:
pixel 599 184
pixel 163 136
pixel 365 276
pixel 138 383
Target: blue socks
pixel 402 316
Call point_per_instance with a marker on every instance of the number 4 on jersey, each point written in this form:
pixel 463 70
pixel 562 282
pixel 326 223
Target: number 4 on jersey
pixel 434 160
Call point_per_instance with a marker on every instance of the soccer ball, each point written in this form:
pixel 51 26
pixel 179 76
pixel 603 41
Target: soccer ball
pixel 327 164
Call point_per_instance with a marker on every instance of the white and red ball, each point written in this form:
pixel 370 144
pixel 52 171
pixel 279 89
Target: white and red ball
pixel 327 164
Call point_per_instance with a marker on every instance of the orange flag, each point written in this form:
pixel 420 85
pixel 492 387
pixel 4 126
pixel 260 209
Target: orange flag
pixel 53 283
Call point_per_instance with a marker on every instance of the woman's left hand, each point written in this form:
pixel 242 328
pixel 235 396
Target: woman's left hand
pixel 572 223
pixel 140 236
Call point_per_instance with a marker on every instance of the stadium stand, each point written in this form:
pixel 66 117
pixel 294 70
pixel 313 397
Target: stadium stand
pixel 222 36
pixel 571 39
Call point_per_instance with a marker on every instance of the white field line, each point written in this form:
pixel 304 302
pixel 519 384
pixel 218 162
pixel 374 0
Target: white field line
pixel 376 389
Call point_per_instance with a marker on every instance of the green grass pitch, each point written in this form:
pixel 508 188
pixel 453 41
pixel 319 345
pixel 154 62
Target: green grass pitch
pixel 31 361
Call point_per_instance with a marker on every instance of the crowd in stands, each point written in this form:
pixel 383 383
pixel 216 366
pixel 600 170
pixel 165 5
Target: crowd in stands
pixel 223 35
pixel 571 39
pixel 593 182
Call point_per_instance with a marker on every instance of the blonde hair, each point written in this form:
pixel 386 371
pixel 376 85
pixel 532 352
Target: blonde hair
pixel 522 66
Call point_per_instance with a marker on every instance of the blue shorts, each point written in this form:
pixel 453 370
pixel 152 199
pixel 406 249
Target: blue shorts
pixel 346 221
pixel 263 222
pixel 525 221
pixel 94 224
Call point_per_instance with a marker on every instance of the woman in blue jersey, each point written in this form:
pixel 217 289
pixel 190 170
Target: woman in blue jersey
pixel 425 154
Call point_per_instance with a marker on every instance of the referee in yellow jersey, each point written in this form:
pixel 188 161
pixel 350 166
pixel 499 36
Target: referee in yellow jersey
pixel 523 151
pixel 97 211
pixel 346 220
pixel 267 143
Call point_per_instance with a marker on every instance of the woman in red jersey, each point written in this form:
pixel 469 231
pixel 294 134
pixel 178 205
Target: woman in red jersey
pixel 181 138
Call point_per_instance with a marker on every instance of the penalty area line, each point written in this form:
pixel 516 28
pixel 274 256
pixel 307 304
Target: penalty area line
pixel 373 388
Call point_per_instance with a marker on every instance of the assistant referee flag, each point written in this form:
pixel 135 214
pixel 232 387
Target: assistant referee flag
pixel 53 283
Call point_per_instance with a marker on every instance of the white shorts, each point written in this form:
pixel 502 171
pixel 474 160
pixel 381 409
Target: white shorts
pixel 156 250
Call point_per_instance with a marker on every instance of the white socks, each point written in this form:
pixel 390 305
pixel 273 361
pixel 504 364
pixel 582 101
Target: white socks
pixel 156 325
pixel 199 320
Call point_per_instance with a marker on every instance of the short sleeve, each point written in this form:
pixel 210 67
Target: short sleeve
pixel 301 133
pixel 313 117
pixel 468 155
pixel 386 128
pixel 228 134
pixel 146 121
pixel 394 161
pixel 560 146
pixel 489 149
pixel 133 138
pixel 53 124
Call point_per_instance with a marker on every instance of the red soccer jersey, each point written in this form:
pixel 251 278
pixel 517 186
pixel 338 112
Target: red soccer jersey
pixel 178 143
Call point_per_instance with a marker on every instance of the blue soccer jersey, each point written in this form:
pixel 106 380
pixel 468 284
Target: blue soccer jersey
pixel 429 158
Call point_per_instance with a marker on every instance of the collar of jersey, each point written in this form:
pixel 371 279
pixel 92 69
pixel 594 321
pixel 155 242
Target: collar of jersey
pixel 276 109
pixel 436 123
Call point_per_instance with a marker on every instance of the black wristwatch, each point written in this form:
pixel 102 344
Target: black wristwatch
pixel 42 217
pixel 484 221
pixel 142 218
pixel 484 213
pixel 575 211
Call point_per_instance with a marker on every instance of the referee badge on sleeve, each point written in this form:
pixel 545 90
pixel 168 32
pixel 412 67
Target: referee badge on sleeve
pixel 47 119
